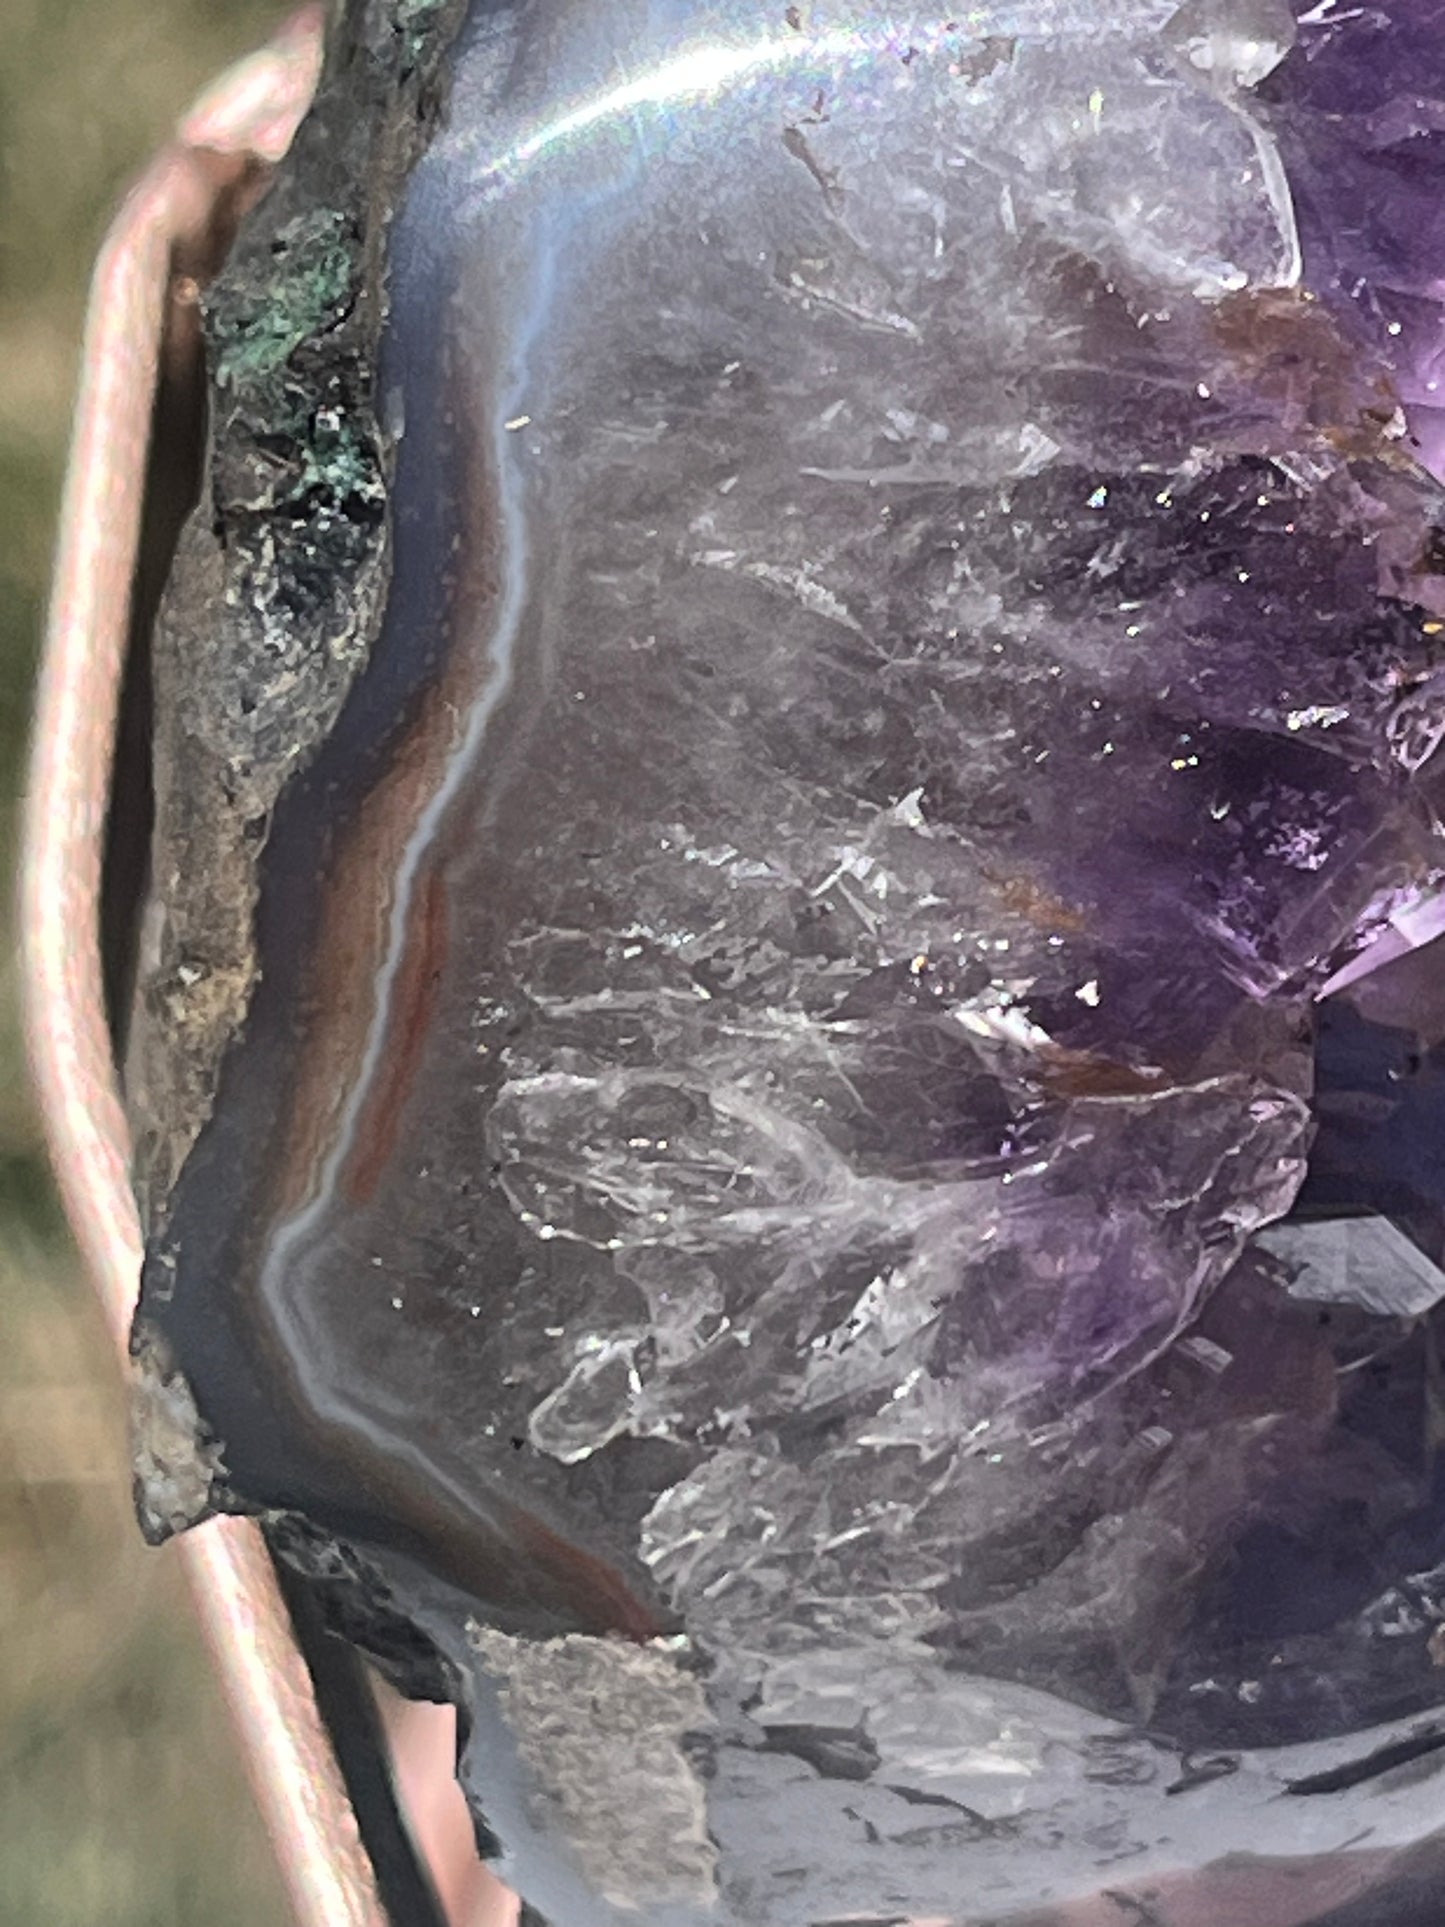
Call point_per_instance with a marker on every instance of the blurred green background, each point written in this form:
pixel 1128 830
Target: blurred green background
pixel 122 1803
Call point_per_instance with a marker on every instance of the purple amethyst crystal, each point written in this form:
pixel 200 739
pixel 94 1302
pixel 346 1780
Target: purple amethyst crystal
pixel 825 1169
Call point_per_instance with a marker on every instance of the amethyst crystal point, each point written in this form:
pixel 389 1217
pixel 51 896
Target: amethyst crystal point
pixel 825 1172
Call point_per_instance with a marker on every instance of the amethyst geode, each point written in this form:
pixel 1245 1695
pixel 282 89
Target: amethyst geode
pixel 817 1156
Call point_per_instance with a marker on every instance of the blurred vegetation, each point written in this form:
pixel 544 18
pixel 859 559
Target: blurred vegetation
pixel 122 1801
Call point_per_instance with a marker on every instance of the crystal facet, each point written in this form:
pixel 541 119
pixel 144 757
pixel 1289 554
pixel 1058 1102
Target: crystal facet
pixel 824 1172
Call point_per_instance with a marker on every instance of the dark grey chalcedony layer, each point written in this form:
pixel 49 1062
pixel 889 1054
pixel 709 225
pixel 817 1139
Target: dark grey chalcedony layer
pixel 912 660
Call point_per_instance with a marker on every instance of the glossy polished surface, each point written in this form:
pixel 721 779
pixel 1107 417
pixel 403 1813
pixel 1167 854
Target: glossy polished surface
pixel 789 1000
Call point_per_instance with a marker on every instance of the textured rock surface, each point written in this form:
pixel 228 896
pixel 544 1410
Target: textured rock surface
pixel 281 572
pixel 787 1116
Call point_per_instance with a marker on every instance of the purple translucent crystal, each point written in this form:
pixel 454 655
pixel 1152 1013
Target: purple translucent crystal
pixel 843 1081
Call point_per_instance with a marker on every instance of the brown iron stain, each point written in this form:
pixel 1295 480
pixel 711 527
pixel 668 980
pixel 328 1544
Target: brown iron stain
pixel 995 50
pixel 796 142
pixel 1025 898
pixel 513 1564
pixel 600 1595
pixel 414 996
pixel 1072 1073
pixel 1287 346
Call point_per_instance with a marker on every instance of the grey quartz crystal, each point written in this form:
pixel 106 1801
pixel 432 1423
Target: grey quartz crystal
pixel 788 1065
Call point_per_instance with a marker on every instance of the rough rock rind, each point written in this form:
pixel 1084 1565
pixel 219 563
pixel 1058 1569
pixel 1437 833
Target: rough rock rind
pixel 281 570
pixel 177 1464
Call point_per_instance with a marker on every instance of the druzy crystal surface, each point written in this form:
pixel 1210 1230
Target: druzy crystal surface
pixel 826 1174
